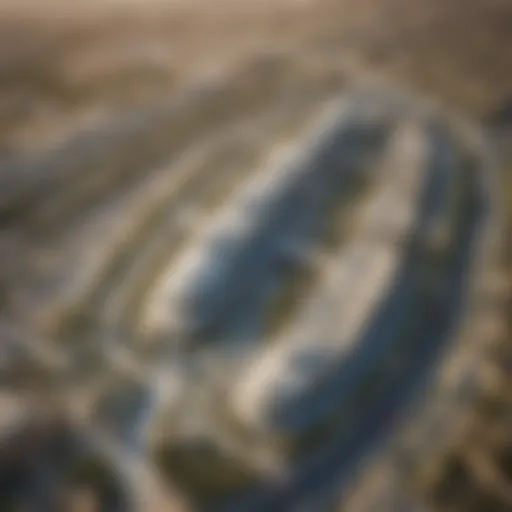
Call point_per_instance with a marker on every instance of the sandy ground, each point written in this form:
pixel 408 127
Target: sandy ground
pixel 66 65
pixel 63 63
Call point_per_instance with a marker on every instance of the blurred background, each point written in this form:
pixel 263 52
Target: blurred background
pixel 66 64
pixel 91 99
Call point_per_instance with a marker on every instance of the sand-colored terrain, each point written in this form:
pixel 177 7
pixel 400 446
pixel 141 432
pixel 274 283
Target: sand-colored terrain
pixel 228 270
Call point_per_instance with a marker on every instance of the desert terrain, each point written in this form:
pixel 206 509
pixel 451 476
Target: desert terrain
pixel 256 255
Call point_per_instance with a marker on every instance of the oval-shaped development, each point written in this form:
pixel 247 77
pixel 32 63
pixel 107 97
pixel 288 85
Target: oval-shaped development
pixel 345 344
